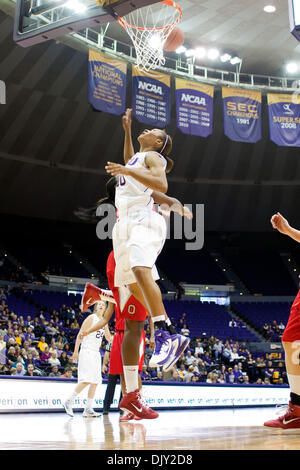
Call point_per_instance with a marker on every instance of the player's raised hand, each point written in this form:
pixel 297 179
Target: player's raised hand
pixel 115 169
pixel 187 213
pixel 280 223
pixel 126 119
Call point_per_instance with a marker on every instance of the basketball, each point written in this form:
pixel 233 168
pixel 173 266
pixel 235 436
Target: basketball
pixel 174 40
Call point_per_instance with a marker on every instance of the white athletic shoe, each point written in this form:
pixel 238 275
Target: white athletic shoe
pixel 68 408
pixel 90 413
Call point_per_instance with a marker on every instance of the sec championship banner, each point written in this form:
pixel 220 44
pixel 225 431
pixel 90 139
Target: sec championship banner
pixel 151 102
pixel 194 107
pixel 107 83
pixel 284 119
pixel 242 114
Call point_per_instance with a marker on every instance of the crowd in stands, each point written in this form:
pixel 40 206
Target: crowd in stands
pixel 212 360
pixel 42 346
pixel 273 331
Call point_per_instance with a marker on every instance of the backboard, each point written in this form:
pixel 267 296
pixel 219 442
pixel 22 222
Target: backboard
pixel 38 21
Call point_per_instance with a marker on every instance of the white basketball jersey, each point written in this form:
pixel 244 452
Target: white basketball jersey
pixel 129 192
pixel 93 341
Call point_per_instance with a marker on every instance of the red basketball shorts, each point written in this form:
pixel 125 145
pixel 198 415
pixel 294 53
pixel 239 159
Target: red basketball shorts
pixel 292 330
pixel 116 363
pixel 134 310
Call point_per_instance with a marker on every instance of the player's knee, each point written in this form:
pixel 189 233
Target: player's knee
pixel 141 272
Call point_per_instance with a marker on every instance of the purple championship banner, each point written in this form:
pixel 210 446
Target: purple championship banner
pixel 151 101
pixel 284 119
pixel 194 107
pixel 107 83
pixel 242 114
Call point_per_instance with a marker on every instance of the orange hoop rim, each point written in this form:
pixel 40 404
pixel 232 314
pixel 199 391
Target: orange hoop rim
pixel 159 28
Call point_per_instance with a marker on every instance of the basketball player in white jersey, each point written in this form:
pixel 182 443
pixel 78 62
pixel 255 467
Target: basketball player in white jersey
pixel 138 238
pixel 89 360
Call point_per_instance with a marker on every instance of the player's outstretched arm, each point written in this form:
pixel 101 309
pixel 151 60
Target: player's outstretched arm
pixel 128 151
pixel 281 224
pixel 154 176
pixel 169 204
pixel 101 323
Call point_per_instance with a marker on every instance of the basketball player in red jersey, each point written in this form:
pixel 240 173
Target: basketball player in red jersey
pixel 125 306
pixel 291 344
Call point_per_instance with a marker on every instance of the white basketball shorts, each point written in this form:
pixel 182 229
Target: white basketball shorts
pixel 138 238
pixel 89 366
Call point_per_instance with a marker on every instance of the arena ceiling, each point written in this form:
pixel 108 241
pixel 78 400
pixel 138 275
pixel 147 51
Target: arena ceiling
pixel 53 146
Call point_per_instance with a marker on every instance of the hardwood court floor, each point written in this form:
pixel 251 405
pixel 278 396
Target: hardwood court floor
pixel 228 429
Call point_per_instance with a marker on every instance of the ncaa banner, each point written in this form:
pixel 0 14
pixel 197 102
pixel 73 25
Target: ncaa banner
pixel 242 114
pixel 151 100
pixel 194 107
pixel 284 119
pixel 107 83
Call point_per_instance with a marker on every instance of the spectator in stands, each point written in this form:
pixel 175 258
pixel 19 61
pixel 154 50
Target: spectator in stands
pixel 189 374
pixel 199 348
pixel 237 373
pixel 42 345
pixel 63 359
pixel 212 378
pixel 145 375
pixel 68 374
pixel 229 377
pixel 51 329
pixel 45 355
pixel 269 371
pixel 232 323
pixel 189 359
pixel 2 350
pixel 267 381
pixel 20 370
pixel 182 371
pixel 62 338
pixel 185 330
pixel 221 379
pixel 30 372
pixel 29 321
pixel 260 365
pixel 202 369
pixel 159 376
pixel 207 360
pixel 281 328
pixel 54 371
pixel 175 376
pixel 53 346
pixel 29 334
pixel 53 360
pixel 217 349
pixel 9 335
pixel 75 325
pixel 11 356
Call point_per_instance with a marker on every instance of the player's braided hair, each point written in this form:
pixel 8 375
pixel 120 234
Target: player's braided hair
pixel 88 214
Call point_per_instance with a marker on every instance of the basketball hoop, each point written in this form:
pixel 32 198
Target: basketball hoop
pixel 149 28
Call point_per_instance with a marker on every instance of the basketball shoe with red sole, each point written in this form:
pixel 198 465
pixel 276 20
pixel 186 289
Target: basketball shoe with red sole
pixel 289 420
pixel 129 417
pixel 134 403
pixel 93 294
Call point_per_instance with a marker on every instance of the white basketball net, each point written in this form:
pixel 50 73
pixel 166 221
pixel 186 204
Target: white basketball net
pixel 149 28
